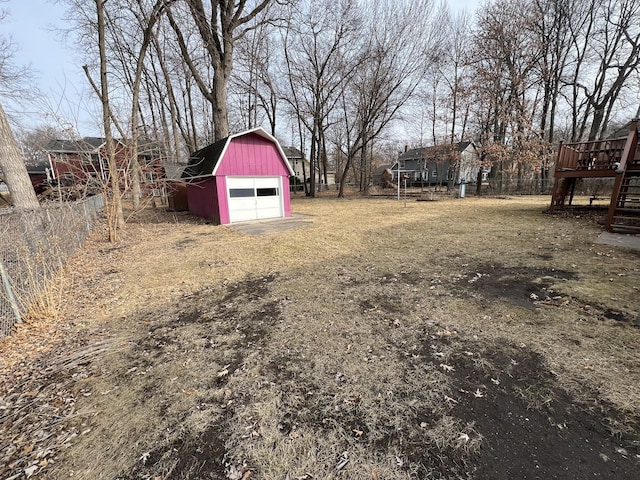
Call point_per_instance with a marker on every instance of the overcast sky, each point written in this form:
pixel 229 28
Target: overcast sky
pixel 34 26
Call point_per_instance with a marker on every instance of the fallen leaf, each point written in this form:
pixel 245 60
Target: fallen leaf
pixel 478 393
pixel 447 368
pixel 30 470
pixel 26 450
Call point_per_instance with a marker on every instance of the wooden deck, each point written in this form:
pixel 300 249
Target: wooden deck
pixel 617 158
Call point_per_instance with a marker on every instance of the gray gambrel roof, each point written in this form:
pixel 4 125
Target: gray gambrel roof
pixel 204 160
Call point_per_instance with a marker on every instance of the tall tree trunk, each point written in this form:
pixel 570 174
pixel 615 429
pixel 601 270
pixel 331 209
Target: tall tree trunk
pixel 14 169
pixel 596 125
pixel 219 105
pixel 114 204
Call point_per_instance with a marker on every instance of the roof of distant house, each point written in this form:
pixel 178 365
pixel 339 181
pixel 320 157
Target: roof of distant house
pixel 292 152
pixel 426 152
pixel 90 144
pixel 86 144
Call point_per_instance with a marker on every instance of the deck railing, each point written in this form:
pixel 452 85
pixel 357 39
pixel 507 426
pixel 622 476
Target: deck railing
pixel 594 155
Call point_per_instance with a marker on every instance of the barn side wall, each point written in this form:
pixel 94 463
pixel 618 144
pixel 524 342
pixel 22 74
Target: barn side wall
pixel 286 197
pixel 223 200
pixel 203 199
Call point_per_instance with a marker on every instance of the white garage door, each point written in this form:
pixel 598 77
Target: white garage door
pixel 253 198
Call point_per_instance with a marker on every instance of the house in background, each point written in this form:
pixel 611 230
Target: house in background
pixel 40 176
pixel 438 165
pixel 74 161
pixel 300 166
pixel 84 162
pixel 242 177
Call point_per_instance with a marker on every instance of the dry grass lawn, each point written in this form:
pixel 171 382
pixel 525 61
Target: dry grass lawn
pixel 473 338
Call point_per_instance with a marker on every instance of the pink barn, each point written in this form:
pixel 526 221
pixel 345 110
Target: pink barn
pixel 242 177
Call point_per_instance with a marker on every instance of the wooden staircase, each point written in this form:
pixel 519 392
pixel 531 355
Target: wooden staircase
pixel 624 210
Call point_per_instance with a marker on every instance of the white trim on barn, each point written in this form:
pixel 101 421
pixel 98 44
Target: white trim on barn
pixel 254 198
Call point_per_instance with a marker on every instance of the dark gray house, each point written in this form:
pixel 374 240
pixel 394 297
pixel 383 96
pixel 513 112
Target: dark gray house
pixel 438 165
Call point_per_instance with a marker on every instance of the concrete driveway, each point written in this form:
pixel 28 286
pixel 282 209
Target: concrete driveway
pixel 619 240
pixel 272 225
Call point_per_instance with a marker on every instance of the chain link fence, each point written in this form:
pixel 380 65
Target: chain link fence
pixel 34 245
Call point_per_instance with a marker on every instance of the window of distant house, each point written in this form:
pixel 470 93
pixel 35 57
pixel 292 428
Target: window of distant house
pixel 434 174
pixel 88 159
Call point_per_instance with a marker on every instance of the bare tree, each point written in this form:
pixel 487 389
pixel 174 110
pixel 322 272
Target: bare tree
pixel 254 80
pixel 552 27
pixel 115 216
pixel 455 75
pixel 320 49
pixel 617 46
pixel 506 55
pixel 33 142
pixel 399 42
pixel 219 27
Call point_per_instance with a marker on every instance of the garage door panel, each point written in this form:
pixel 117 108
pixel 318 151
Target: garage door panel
pixel 268 207
pixel 253 198
pixel 266 182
